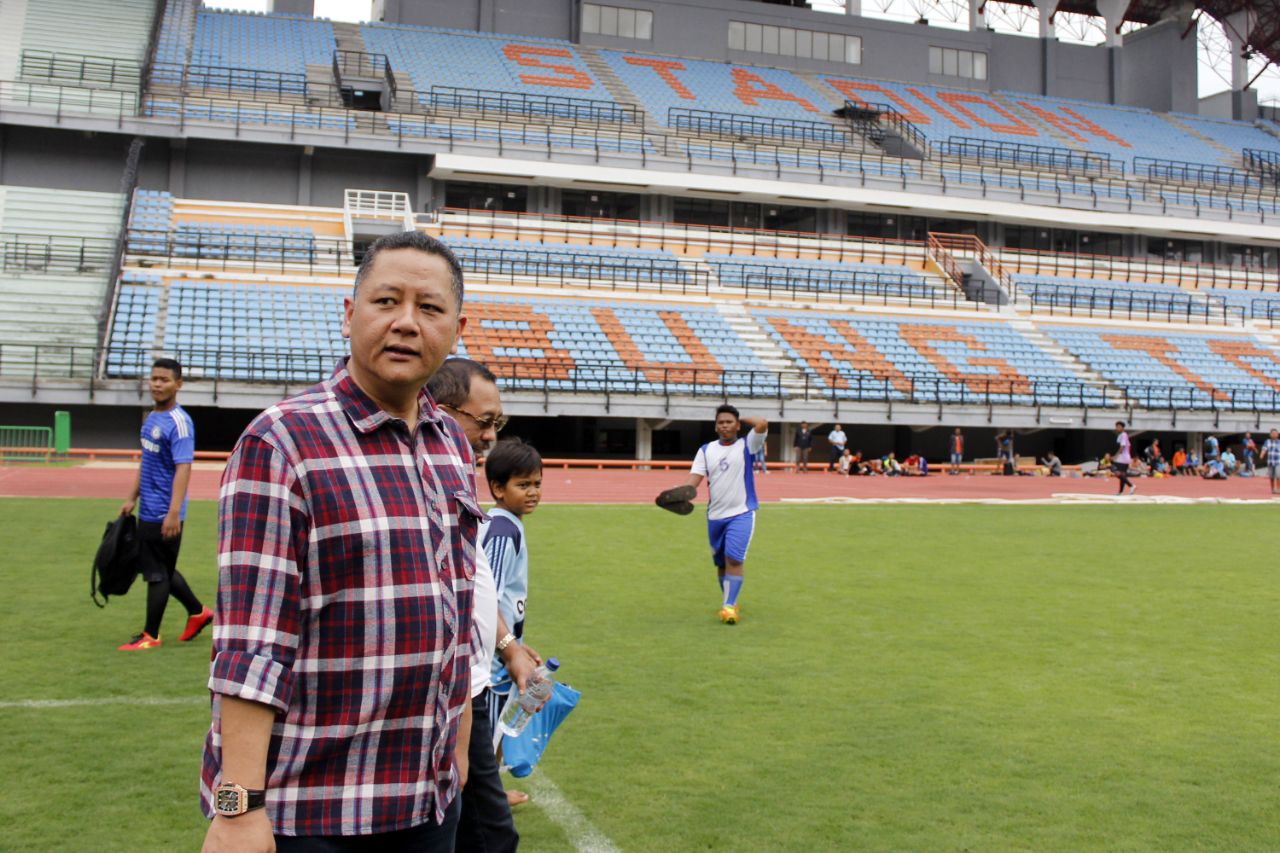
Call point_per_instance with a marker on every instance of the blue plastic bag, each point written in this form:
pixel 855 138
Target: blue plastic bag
pixel 521 754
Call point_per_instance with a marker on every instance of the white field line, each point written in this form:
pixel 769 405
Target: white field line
pixel 584 837
pixel 104 700
pixel 582 834
pixel 1058 499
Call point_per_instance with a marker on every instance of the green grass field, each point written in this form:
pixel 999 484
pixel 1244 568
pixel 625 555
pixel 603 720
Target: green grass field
pixel 905 678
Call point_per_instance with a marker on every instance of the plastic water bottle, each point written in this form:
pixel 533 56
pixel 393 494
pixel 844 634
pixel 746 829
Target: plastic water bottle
pixel 521 707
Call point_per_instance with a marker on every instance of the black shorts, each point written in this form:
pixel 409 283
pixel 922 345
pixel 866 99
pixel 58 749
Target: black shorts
pixel 1121 468
pixel 157 556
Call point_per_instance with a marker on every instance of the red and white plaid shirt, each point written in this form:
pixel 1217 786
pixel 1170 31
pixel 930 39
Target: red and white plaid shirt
pixel 346 553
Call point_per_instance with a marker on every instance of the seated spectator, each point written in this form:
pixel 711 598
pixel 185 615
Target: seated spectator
pixel 1154 458
pixel 1214 469
pixel 1228 461
pixel 1179 461
pixel 1052 464
pixel 1193 463
pixel 890 465
pixel 856 465
pixel 846 461
pixel 911 466
pixel 922 468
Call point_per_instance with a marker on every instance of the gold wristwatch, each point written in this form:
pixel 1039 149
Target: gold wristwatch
pixel 232 800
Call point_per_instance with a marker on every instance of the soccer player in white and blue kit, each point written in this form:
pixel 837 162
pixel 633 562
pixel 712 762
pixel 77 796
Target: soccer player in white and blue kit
pixel 731 509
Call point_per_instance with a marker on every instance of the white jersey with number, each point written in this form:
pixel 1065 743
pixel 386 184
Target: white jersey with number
pixel 727 468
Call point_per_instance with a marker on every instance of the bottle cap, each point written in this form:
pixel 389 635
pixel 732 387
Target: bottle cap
pixel 552 664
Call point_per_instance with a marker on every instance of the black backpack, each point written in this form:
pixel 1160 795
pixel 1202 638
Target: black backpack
pixel 115 566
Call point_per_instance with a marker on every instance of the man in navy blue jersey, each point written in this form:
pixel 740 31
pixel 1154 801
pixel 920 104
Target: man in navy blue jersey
pixel 160 494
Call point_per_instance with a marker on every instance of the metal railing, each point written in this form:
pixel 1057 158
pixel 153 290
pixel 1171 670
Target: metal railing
pixel 676 237
pixel 1131 304
pixel 870 118
pixel 1148 268
pixel 1199 174
pixel 357 64
pixel 1040 156
pixel 1266 163
pixel 44 253
pixel 947 248
pixel 26 443
pixel 864 289
pixel 488 102
pixel 255 252
pixel 598 273
pixel 738 125
pixel 280 84
pixel 62 98
pixel 297 367
pixel 101 70
pixel 549 135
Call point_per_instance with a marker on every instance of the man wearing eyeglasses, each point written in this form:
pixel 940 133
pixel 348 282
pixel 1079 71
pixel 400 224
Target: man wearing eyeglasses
pixel 468 391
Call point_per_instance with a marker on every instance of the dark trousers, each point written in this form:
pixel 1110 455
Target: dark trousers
pixel 425 838
pixel 158 565
pixel 485 825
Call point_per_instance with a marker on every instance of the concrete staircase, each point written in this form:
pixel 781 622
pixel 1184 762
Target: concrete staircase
pixel 769 353
pixel 1046 343
pixel 1230 156
pixel 613 83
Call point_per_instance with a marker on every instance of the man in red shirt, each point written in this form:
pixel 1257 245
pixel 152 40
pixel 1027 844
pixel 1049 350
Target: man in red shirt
pixel 346 552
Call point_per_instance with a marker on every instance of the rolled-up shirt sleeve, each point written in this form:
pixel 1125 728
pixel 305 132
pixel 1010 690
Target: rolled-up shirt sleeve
pixel 260 516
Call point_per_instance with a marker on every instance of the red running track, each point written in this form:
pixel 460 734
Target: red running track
pixel 589 485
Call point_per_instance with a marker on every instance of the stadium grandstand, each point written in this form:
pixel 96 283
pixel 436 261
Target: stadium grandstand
pixel 821 217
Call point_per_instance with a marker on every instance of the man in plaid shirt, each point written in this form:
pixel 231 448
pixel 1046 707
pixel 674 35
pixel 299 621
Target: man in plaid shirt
pixel 347 525
pixel 1271 454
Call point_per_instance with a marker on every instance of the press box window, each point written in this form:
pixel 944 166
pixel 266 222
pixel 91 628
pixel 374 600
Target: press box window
pixel 785 41
pixel 951 62
pixel 617 22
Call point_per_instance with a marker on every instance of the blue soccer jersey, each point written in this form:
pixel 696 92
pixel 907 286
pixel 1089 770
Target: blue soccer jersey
pixel 502 538
pixel 727 468
pixel 168 440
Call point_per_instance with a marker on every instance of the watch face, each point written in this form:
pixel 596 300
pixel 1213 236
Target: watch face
pixel 227 801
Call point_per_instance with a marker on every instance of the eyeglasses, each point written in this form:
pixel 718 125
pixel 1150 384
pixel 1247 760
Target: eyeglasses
pixel 496 423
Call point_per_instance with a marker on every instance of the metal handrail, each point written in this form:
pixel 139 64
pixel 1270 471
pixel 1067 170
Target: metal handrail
pixel 302 365
pixel 484 101
pixel 51 65
pixel 1093 163
pixel 549 135
pixel 1131 304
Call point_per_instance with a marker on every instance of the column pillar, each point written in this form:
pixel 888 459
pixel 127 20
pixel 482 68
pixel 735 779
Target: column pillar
pixel 1237 27
pixel 853 8
pixel 178 167
pixel 1046 8
pixel 304 175
pixel 977 15
pixel 644 439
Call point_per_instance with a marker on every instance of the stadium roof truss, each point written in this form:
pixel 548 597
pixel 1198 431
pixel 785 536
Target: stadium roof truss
pixel 1254 24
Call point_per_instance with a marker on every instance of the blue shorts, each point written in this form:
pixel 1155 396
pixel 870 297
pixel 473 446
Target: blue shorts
pixel 731 537
pixel 957 458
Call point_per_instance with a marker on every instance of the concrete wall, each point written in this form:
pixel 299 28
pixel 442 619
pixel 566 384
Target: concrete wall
pixel 60 159
pixel 1158 69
